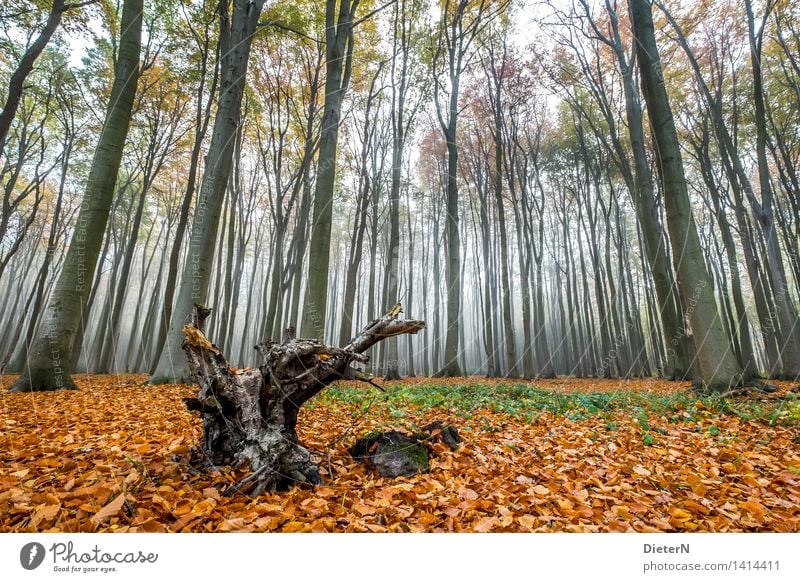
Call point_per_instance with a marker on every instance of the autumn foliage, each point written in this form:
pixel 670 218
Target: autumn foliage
pixel 114 456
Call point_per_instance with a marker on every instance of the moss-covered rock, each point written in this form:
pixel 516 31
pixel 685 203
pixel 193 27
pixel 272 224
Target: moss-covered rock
pixel 393 453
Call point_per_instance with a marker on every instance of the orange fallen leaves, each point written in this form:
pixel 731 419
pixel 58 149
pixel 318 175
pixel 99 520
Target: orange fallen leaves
pixel 112 457
pixel 109 510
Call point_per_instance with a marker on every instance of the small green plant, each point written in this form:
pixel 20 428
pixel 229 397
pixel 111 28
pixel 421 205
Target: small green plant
pixel 792 412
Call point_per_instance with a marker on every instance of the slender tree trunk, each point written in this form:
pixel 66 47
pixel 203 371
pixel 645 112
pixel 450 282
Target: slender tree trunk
pixel 44 270
pixel 300 236
pixel 741 187
pixel 451 366
pixel 338 63
pixel 393 250
pixel 741 328
pixel 202 117
pixel 360 217
pixel 49 363
pixel 236 36
pixel 716 362
pixel 437 300
pixel 410 305
pixel 488 308
pixel 786 315
pixel 106 364
pixel 146 352
pixel 655 240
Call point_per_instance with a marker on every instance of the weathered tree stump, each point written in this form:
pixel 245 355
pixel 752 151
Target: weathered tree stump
pixel 250 415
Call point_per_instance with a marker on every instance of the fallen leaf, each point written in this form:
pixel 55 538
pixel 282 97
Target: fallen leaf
pixel 110 510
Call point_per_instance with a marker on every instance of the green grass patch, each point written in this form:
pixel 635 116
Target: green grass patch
pixel 528 402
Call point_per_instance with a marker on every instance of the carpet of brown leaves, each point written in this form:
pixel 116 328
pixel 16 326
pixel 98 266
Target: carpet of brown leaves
pixel 112 457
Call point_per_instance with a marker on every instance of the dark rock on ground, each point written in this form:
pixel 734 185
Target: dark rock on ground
pixel 393 453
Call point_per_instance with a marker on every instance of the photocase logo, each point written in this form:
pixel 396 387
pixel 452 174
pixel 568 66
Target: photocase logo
pixel 31 555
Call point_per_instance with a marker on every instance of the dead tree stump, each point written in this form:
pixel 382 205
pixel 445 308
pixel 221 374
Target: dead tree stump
pixel 250 415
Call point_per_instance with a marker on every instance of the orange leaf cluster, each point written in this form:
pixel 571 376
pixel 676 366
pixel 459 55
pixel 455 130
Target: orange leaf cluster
pixel 112 457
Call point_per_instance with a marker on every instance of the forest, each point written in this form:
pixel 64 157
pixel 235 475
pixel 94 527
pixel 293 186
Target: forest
pixel 566 228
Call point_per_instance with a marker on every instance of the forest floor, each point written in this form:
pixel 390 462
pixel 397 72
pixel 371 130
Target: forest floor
pixel 552 455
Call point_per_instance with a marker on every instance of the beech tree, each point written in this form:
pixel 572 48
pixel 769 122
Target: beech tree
pixel 49 359
pixel 460 23
pixel 717 365
pixel 235 39
pixel 339 38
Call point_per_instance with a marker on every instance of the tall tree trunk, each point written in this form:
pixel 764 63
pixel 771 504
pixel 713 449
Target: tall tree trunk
pixel 655 240
pixel 789 323
pixel 741 187
pixel 363 199
pixel 717 364
pixel 437 296
pixel 299 239
pixel 77 344
pixel 488 308
pixel 451 366
pixel 49 364
pixel 44 270
pixel 145 351
pixel 498 74
pixel 236 35
pixel 110 347
pixel 410 368
pixel 226 294
pixel 393 250
pixel 202 117
pixel 338 63
pixel 742 324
